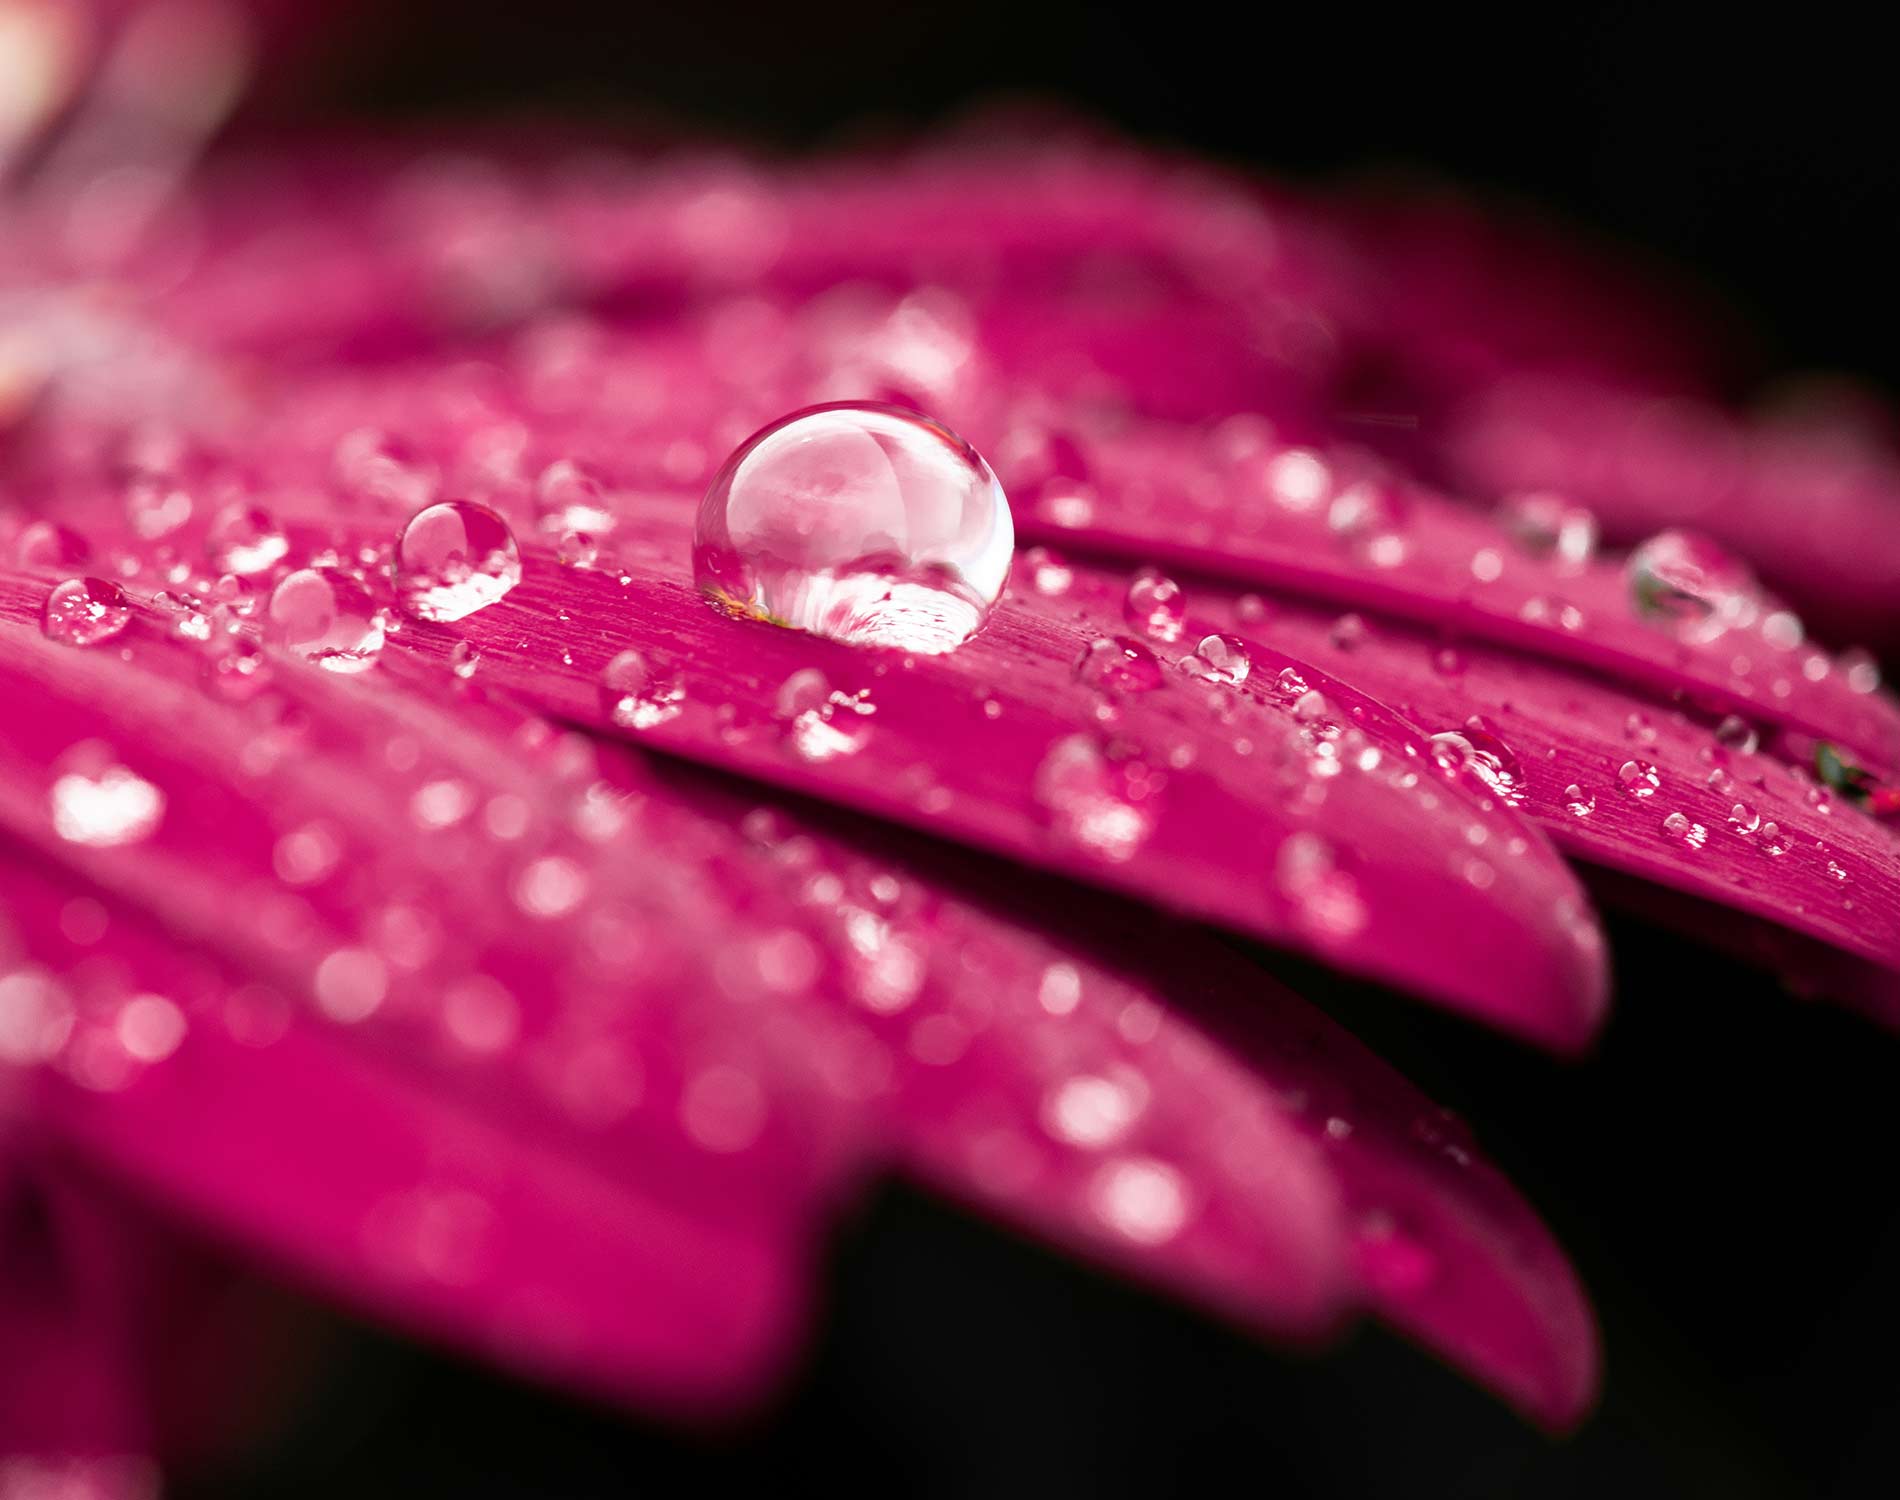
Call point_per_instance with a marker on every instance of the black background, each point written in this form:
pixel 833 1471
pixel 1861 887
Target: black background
pixel 1722 1170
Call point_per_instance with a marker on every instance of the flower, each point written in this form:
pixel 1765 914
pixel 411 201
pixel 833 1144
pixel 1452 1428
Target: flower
pixel 509 944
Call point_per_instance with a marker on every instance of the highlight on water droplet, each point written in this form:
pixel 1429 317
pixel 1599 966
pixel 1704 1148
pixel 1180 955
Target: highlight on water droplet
pixel 85 611
pixel 328 618
pixel 863 522
pixel 453 559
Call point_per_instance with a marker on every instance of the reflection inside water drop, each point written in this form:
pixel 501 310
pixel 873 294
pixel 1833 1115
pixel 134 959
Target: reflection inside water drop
pixel 866 523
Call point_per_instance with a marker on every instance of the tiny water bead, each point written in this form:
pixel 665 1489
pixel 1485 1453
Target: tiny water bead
pixel 453 559
pixel 327 618
pixel 85 611
pixel 863 522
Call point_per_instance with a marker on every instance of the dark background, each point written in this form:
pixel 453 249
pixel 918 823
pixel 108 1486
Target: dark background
pixel 1722 1170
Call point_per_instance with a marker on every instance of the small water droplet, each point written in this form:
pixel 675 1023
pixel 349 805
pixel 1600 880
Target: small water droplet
pixel 1118 665
pixel 1638 778
pixel 1546 525
pixel 104 805
pixel 1679 826
pixel 1858 666
pixel 1090 1111
pixel 1155 605
pixel 465 659
pixel 821 723
pixel 156 507
pixel 1835 872
pixel 866 523
pixel 50 547
pixel 577 549
pixel 1737 734
pixel 1774 840
pixel 568 498
pixel 1142 1199
pixel 1479 753
pixel 1744 819
pixel 244 540
pixel 85 611
pixel 238 670
pixel 1690 581
pixel 1348 632
pixel 453 559
pixel 633 698
pixel 1325 897
pixel 327 618
pixel 1049 573
pixel 1577 802
pixel 1092 801
pixel 1220 658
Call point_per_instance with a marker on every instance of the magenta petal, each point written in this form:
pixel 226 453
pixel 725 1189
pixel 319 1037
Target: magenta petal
pixel 1813 505
pixel 1084 1097
pixel 1621 780
pixel 1215 804
pixel 1163 497
pixel 347 1083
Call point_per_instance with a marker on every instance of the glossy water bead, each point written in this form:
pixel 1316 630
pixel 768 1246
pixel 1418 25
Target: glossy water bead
pixel 866 523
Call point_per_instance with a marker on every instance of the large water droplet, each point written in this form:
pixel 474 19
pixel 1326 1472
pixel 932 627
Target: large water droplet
pixel 866 523
pixel 328 618
pixel 1685 578
pixel 85 611
pixel 453 559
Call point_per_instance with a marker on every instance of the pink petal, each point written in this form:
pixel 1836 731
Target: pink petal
pixel 1813 504
pixel 1757 836
pixel 1443 567
pixel 974 746
pixel 1075 1095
